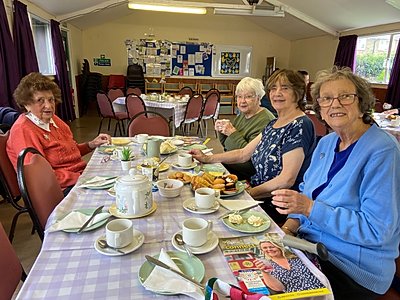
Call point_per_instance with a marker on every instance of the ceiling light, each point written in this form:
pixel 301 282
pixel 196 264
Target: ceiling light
pixel 250 12
pixel 168 8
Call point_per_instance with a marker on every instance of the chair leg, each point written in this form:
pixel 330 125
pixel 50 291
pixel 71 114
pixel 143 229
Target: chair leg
pixel 101 122
pixel 109 123
pixel 213 120
pixel 14 224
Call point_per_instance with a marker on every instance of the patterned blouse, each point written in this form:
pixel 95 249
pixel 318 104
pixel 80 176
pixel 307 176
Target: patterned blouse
pixel 267 158
pixel 298 278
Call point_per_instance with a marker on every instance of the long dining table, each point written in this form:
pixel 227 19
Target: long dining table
pixel 69 267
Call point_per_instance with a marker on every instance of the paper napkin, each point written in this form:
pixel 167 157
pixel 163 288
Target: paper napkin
pixel 75 220
pixel 238 204
pixel 162 280
pixel 98 181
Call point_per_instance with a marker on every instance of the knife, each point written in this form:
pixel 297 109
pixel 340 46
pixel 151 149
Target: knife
pixel 159 263
pixel 96 212
pixel 237 211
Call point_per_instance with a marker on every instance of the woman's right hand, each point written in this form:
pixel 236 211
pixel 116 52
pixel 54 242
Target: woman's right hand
pixel 262 266
pixel 199 155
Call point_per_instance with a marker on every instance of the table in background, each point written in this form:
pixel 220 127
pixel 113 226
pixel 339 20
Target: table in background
pixel 386 125
pixel 68 266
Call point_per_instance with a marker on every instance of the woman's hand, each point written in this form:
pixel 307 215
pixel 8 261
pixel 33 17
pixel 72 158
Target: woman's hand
pixel 225 127
pixel 291 202
pixel 101 139
pixel 199 155
pixel 262 266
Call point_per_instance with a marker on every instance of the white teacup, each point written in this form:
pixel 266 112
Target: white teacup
pixel 205 197
pixel 119 233
pixel 185 159
pixel 142 138
pixel 195 231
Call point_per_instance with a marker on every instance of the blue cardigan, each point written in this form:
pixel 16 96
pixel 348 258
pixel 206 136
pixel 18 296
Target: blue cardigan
pixel 357 215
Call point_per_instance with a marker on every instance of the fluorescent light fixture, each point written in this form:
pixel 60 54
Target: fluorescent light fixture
pixel 168 8
pixel 250 12
pixel 394 3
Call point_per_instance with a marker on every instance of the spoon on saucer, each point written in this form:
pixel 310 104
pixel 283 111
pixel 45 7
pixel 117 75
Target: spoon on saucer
pixel 179 240
pixel 103 244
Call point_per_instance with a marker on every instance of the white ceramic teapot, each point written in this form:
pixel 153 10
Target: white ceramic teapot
pixel 133 195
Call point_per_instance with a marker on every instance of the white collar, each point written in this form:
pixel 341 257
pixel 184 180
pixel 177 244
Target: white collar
pixel 40 123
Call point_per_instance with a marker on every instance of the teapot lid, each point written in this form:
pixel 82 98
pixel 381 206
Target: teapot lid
pixel 133 179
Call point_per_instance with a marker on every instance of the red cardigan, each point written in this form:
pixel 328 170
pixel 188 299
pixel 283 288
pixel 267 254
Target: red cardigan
pixel 58 146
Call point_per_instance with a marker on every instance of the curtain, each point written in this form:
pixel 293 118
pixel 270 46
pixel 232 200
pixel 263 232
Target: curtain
pixel 23 40
pixel 65 109
pixel 9 77
pixel 393 90
pixel 346 51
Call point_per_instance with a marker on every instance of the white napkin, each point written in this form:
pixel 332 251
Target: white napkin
pixel 98 181
pixel 238 204
pixel 163 280
pixel 75 220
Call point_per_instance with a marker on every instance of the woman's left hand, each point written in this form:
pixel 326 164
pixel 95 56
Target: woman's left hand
pixel 101 139
pixel 291 202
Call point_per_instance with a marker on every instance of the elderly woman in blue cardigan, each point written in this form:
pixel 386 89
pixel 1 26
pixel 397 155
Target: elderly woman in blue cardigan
pixel 350 197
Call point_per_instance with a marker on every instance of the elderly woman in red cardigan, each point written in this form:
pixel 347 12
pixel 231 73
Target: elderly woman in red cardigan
pixel 40 128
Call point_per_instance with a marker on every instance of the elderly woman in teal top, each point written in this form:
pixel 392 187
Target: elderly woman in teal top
pixel 251 120
pixel 349 199
pixel 282 152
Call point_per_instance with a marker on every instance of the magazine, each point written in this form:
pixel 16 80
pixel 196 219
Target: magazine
pixel 262 264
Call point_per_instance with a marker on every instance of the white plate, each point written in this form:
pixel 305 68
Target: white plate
pixel 210 245
pixel 187 204
pixel 113 210
pixel 138 239
pixel 177 142
pixel 176 166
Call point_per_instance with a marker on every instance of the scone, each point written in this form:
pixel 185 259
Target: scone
pixel 255 221
pixel 235 219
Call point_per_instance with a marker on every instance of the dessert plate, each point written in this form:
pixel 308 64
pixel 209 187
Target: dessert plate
pixel 210 245
pixel 190 205
pixel 138 239
pixel 246 227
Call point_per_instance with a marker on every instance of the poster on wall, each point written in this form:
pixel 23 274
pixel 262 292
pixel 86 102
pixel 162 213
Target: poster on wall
pixel 191 59
pixel 231 61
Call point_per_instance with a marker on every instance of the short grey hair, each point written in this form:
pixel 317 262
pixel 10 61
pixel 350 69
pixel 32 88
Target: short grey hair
pixel 366 99
pixel 249 84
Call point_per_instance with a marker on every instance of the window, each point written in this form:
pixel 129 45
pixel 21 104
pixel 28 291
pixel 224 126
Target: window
pixel 43 46
pixel 375 55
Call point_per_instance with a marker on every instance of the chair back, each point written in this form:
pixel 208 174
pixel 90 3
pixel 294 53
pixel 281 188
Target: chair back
pixel 211 91
pixel 210 105
pixel 378 106
pixel 105 105
pixel 193 109
pixel 186 90
pixel 115 93
pixel 39 187
pixel 134 105
pixel 149 122
pixel 8 176
pixel 10 267
pixel 134 90
pixel 319 127
pixel 8 115
pixel 116 81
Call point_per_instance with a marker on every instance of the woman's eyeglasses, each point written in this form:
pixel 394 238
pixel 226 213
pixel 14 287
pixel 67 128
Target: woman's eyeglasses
pixel 344 99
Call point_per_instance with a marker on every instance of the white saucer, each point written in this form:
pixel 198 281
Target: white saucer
pixel 189 203
pixel 114 211
pixel 138 239
pixel 210 245
pixel 193 165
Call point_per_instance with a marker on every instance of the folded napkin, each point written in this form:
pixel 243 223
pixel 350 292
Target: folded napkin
pixel 75 220
pixel 162 280
pixel 98 181
pixel 238 204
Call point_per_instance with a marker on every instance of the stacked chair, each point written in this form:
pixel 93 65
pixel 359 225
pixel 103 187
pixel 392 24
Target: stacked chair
pixel 135 77
pixel 89 84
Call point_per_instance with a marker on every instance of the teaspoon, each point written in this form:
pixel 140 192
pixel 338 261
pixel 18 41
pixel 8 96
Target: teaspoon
pixel 103 244
pixel 180 242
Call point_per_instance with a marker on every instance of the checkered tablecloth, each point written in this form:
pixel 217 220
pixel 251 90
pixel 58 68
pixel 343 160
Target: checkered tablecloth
pixel 68 266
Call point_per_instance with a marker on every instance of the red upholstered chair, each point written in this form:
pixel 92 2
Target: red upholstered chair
pixel 39 187
pixel 134 90
pixel 320 128
pixel 378 106
pixel 115 93
pixel 106 111
pixel 11 271
pixel 134 104
pixel 149 122
pixel 193 112
pixel 116 81
pixel 8 179
pixel 210 108
pixel 186 90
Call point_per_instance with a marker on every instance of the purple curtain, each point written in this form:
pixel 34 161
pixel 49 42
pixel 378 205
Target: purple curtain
pixel 23 40
pixel 9 77
pixel 393 90
pixel 65 109
pixel 346 51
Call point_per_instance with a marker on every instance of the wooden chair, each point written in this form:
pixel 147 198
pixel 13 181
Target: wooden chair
pixel 39 187
pixel 186 90
pixel 210 109
pixel 106 111
pixel 193 114
pixel 150 122
pixel 8 180
pixel 115 93
pixel 134 104
pixel 11 270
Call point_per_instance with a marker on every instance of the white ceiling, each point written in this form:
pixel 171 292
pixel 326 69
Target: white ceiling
pixel 303 19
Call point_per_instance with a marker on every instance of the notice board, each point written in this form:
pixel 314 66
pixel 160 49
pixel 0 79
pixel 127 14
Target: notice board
pixel 191 59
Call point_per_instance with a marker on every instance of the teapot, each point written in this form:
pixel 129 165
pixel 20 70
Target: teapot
pixel 133 195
